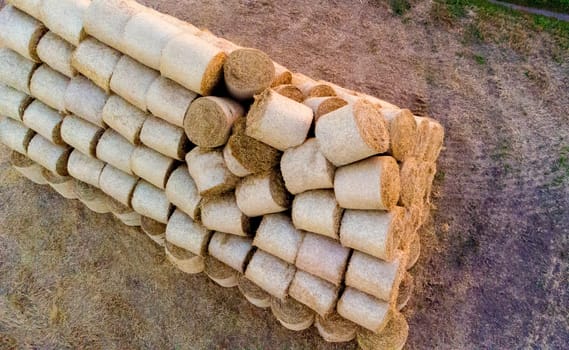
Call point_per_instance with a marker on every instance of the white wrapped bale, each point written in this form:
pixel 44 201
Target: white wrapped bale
pixel 152 166
pixel 96 61
pixel 364 310
pixel 278 121
pixel 155 230
pixel 20 32
pixel 115 150
pixel 184 260
pixel 65 18
pixel 85 168
pixel 15 135
pixel 262 194
pixel 253 293
pixel 292 314
pixel 168 100
pixel 15 70
pixel 209 171
pixel 28 168
pixel 81 134
pixel 13 102
pixel 52 157
pixel 124 118
pixel 222 214
pixel 270 273
pixel 234 251
pixel 323 257
pixel 132 80
pixel 317 211
pixel 336 329
pixel 185 233
pixel 277 235
pixel 64 185
pixel 165 138
pixel 182 191
pixel 57 53
pixel 85 100
pixel 117 184
pixel 92 197
pixel 248 72
pixel 45 121
pixel 220 273
pixel 314 292
pixel 150 201
pixel 50 87
pixel 31 7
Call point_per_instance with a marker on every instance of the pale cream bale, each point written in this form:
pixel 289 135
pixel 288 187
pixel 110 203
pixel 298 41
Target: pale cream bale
pixel 233 164
pixel 57 53
pixel 49 87
pixel 220 273
pixel 150 201
pixel 182 191
pixel 152 166
pixel 323 257
pixel 125 214
pixel 85 168
pixel 317 211
pixel 184 260
pixel 262 194
pixel 15 135
pixel 92 197
pixel 45 121
pixel 64 185
pixel 277 235
pixel 209 171
pixel 232 250
pixel 222 214
pixel 81 134
pixel 117 184
pixel 270 273
pixel 65 18
pixel 15 70
pixel 31 7
pixel 165 138
pixel 96 61
pixel 20 32
pixel 188 234
pixel 27 168
pixel 364 310
pixel 169 100
pixel 13 102
pixel 253 293
pixel 85 100
pixel 52 157
pixel 115 150
pixel 132 80
pixel 314 292
pixel 124 118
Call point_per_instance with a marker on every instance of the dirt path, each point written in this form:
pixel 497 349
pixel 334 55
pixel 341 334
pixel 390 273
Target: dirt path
pixel 535 11
pixel 494 266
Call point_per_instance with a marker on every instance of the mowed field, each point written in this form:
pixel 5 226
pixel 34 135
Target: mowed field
pixel 494 269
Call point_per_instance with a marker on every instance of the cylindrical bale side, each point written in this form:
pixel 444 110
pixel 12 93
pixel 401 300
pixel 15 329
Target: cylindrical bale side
pixel 303 82
pixel 114 149
pixel 92 197
pixel 124 213
pixel 336 329
pixel 414 251
pixel 188 234
pixel 209 171
pixel 20 32
pixel 81 134
pixel 248 72
pixel 152 166
pixel 324 105
pixel 430 137
pixel 323 257
pixel 27 167
pixel 15 135
pixel 124 118
pixel 117 184
pixel 283 76
pixel 13 102
pixel 393 336
pixel 317 211
pixel 262 194
pixel 253 293
pixel 292 314
pixel 169 100
pixel 402 132
pixel 220 273
pixel 16 71
pixel 86 100
pixel 182 191
pixel 31 7
pixel 183 259
pixel 232 250
pixel 364 310
pixel 96 61
pixel 85 168
pixel 155 230
pixel 65 18
pixel 406 288
pixel 132 80
pixel 64 185
pixel 50 156
pixel 50 87
pixel 290 91
pixel 277 235
pixel 150 201
pixel 221 213
pixel 319 295
pixel 270 273
pixel 56 53
pixel 165 138
pixel 413 182
pixel 45 121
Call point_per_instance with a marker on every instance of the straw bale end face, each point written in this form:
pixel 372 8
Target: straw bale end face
pixel 248 72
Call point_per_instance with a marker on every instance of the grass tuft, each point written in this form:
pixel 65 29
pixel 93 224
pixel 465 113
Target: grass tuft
pixel 400 7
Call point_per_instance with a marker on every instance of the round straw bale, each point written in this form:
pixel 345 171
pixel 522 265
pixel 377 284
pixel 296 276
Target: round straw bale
pixel 27 167
pixel 303 82
pixel 392 337
pixel 64 185
pixel 414 251
pixel 317 211
pixel 359 125
pixel 85 168
pixel 152 166
pixel 208 170
pixel 368 184
pixel 402 132
pixel 20 32
pixel 321 89
pixel 430 136
pixel 221 213
pixel 193 63
pixel 232 250
pixel 376 101
pixel 413 182
pixel 262 194
pixel 376 233
pixel 336 329
pixel 115 150
pixel 209 120
pixel 117 184
pixel 430 170
pixel 305 168
pixel 411 222
pixel 107 19
pixel 45 121
pixel 50 87
pixel 124 118
pixel 165 138
pixel 85 100
pixel 220 273
pixel 65 18
pixel 31 7
pixel 278 121
pixel 270 273
pixel 283 76
pixel 15 135
pixel 132 80
pixel 146 35
pixel 245 155
pixel 15 70
pixel 92 197
pixel 181 191
pixel 125 214
pixel 96 61
pixel 186 233
pixel 323 257
pixel 363 309
pixel 314 292
pixel 151 201
pixel 405 291
pixel 277 235
pixel 290 91
pixel 168 100
pixel 153 229
pixel 253 293
pixel 13 102
pixel 50 156
pixel 248 72
pixel 184 260
pixel 81 134
pixel 56 53
pixel 324 105
pixel 223 44
pixel 292 314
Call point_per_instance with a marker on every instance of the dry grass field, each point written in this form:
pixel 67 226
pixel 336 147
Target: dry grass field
pixel 494 270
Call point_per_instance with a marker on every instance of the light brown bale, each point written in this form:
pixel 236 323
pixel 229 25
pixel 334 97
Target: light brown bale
pixel 96 61
pixel 323 257
pixel 57 53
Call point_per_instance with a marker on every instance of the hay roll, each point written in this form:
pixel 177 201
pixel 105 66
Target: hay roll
pixel 305 168
pixel 222 214
pixel 81 134
pixel 96 61
pixel 430 171
pixel 317 211
pixel 184 260
pixel 56 53
pixel 124 118
pixel 393 336
pixel 31 7
pixel 368 184
pixel 15 70
pixel 45 121
pixel 13 102
pixel 15 135
pixel 414 251
pixel 430 137
pixel 65 18
pixel 324 105
pixel 220 273
pixel 253 293
pixel 20 32
pixel 413 182
pixel 50 87
pixel 114 149
pixel 168 100
pixel 402 132
pixel 262 194
pixel 364 310
pixel 165 138
pixel 406 288
pixel 125 214
pixel 292 314
pixel 193 63
pixel 270 273
pixel 376 233
pixel 283 76
pixel 208 170
pixel 150 201
pixel 209 120
pixel 290 91
pixel 234 251
pixel 155 230
pixel 182 191
pixel 28 168
pixel 152 166
pixel 314 292
pixel 132 80
pixel 323 257
pixel 85 100
pixel 335 328
pixel 234 166
pixel 186 233
pixel 277 235
pixel 278 121
pixel 117 184
pixel 64 185
pixel 85 168
pixel 50 156
pixel 248 72
pixel 359 125
pixel 303 82
pixel 92 197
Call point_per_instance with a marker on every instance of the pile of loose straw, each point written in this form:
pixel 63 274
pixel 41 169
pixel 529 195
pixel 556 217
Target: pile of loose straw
pixel 305 195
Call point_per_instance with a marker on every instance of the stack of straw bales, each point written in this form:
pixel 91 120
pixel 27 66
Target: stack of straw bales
pixel 305 195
